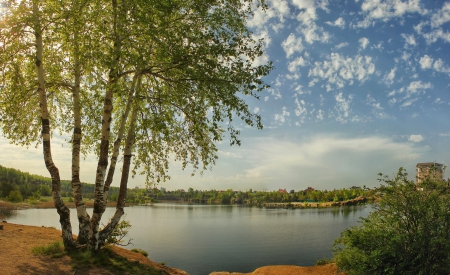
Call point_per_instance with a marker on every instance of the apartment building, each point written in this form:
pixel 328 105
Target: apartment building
pixel 425 168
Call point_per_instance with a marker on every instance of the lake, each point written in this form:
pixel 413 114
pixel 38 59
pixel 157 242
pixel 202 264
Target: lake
pixel 204 238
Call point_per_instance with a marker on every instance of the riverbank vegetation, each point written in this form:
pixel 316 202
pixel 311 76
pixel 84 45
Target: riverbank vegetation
pixel 17 186
pixel 407 233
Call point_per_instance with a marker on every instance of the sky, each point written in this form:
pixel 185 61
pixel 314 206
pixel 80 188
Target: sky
pixel 359 87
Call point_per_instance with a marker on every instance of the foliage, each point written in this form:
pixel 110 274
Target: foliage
pixel 251 197
pixel 118 234
pixel 139 250
pixel 29 184
pixel 324 261
pixel 407 233
pixel 55 250
pixel 86 259
pixel 15 196
pixel 7 210
pixel 152 80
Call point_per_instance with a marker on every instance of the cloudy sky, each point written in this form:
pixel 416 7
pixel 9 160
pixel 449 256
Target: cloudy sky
pixel 360 87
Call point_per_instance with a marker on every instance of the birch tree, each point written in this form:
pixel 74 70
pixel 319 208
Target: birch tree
pixel 145 80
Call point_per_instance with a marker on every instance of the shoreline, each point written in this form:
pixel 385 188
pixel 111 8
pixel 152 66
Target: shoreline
pixel 18 240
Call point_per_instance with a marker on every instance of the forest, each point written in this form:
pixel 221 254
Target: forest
pixel 17 186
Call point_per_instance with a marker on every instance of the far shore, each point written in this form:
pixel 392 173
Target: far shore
pixel 48 203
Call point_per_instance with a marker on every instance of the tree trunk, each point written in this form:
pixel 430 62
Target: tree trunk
pixel 106 125
pixel 123 181
pixel 63 211
pixel 115 152
pixel 83 216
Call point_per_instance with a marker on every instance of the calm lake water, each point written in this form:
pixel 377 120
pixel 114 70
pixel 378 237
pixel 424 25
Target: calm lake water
pixel 204 238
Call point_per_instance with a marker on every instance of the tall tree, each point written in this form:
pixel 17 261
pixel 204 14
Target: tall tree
pixel 159 78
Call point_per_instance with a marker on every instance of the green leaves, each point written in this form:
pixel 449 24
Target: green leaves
pixel 407 233
pixel 195 59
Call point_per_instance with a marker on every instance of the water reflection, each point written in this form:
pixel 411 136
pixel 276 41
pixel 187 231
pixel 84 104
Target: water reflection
pixel 205 238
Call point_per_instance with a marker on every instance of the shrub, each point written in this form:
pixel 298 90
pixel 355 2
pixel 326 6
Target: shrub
pixel 142 251
pixel 15 196
pixel 119 233
pixel 407 233
pixel 324 262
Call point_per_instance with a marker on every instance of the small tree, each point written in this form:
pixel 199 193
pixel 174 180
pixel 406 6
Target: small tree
pixel 407 233
pixel 15 196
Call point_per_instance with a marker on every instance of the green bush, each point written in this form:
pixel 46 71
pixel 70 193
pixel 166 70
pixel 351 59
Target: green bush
pixel 142 251
pixel 407 233
pixel 324 262
pixel 15 196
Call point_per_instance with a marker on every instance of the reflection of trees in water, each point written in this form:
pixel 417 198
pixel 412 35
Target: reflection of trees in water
pixel 7 210
pixel 345 211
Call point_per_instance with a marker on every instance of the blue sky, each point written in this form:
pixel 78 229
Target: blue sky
pixel 360 87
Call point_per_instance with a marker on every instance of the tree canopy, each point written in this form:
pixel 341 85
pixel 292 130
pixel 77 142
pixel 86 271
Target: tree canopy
pixel 407 233
pixel 150 79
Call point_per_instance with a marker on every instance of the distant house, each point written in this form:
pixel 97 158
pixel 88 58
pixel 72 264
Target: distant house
pixel 282 191
pixel 425 168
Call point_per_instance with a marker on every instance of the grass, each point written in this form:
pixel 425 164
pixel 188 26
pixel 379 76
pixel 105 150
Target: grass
pixel 142 251
pixel 7 210
pixel 106 258
pixel 324 261
pixel 55 250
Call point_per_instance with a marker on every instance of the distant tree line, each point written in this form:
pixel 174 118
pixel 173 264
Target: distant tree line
pixel 16 186
pixel 251 197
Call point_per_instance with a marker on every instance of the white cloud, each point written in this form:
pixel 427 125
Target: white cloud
pixel 409 40
pixel 351 160
pixel 415 138
pixel 342 107
pixel 417 86
pixel 409 102
pixel 281 118
pixel 340 22
pixel 388 79
pixel 312 33
pixel 319 115
pixel 299 61
pixel 341 45
pixel 383 10
pixel 433 35
pixel 292 45
pixel 439 66
pixel 363 42
pixel 426 62
pixel 256 110
pixel 442 16
pixel 307 10
pixel 275 93
pixel 264 35
pixel 339 70
pixel 300 111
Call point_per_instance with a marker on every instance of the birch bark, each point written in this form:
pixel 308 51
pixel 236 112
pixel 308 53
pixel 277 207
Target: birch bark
pixel 106 129
pixel 83 216
pixel 127 154
pixel 63 211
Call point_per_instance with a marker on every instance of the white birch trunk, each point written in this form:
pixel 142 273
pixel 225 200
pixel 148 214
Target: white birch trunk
pixel 83 217
pixel 116 148
pixel 63 211
pixel 127 154
pixel 104 143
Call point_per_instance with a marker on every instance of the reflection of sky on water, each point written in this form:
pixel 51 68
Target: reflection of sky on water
pixel 205 238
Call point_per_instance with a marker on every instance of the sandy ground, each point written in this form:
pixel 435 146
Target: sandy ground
pixel 329 269
pixel 17 240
